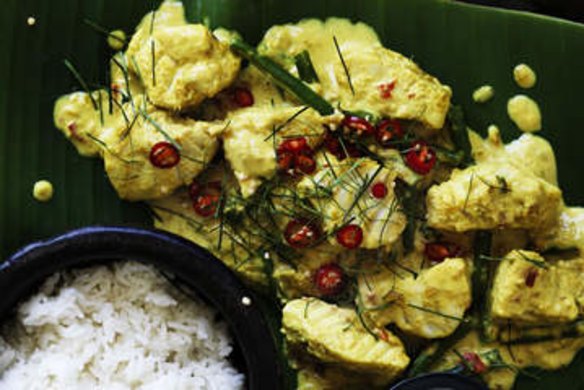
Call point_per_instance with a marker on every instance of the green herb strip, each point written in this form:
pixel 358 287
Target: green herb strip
pixel 345 67
pixel 284 79
pixel 81 82
pixel 305 67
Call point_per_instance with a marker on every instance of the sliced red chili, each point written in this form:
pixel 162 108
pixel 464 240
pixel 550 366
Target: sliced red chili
pixel 115 91
pixel 436 252
pixel 72 127
pixel 350 236
pixel 386 89
pixel 301 233
pixel 330 279
pixel 332 144
pixel 531 277
pixel 383 335
pixel 388 131
pixel 295 157
pixel 305 164
pixel 194 189
pixel 164 155
pixel 205 197
pixel 421 157
pixel 379 190
pixel 243 97
pixel 335 147
pixel 474 361
pixel 295 146
pixel 361 126
pixel 285 161
pixel 206 204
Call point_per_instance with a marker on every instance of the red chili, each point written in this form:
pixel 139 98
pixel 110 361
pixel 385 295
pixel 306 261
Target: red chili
pixel 475 362
pixel 243 97
pixel 329 279
pixel 531 277
pixel 72 127
pixel 436 252
pixel 295 146
pixel 305 164
pixel 387 131
pixel 383 335
pixel 164 155
pixel 350 236
pixel 194 189
pixel 301 233
pixel 334 146
pixel 206 205
pixel 379 190
pixel 295 156
pixel 285 161
pixel 359 125
pixel 205 197
pixel 421 157
pixel 386 89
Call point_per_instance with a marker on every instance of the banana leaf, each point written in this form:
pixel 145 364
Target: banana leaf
pixel 464 46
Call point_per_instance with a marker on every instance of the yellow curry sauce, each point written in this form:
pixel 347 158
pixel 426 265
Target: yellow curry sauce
pixel 374 223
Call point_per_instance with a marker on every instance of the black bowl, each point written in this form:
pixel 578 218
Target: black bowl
pixel 195 267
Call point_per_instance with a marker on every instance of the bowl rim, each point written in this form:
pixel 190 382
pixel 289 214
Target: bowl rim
pixel 29 266
pixel 440 380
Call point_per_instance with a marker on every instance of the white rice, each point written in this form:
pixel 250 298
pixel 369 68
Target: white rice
pixel 122 326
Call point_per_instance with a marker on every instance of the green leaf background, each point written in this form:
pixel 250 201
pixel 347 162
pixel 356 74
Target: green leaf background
pixel 465 46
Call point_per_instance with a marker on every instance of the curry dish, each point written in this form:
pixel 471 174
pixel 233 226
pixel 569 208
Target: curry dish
pixel 335 174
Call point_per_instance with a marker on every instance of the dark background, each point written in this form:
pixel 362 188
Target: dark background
pixel 567 9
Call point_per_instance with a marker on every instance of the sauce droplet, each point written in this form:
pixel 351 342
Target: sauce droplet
pixel 483 94
pixel 524 112
pixel 524 76
pixel 43 190
pixel 116 40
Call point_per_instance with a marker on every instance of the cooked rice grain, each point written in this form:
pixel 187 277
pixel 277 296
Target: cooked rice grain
pixel 122 326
